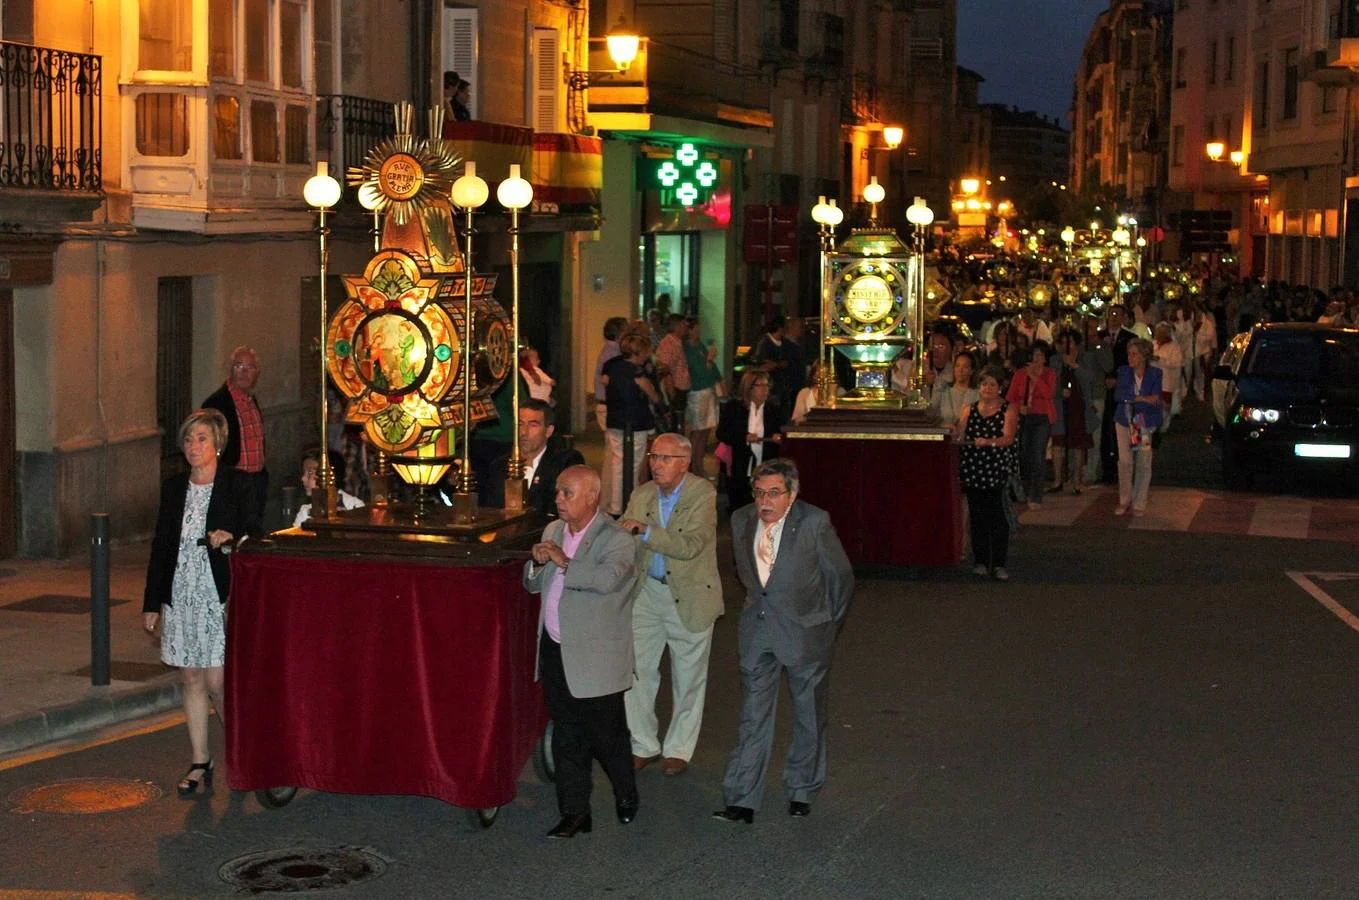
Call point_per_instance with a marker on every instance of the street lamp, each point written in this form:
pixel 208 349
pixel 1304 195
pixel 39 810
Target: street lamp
pixel 468 194
pixel 873 195
pixel 321 193
pixel 623 45
pixel 970 186
pixel 1215 149
pixel 893 135
pixel 921 216
pixel 514 193
pixel 1068 238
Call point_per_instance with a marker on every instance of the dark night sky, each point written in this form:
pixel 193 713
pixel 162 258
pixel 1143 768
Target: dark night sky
pixel 1027 51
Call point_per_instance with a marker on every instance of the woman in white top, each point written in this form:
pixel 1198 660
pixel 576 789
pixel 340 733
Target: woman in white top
pixel 806 398
pixel 539 383
pixel 1170 362
pixel 1182 320
pixel 950 402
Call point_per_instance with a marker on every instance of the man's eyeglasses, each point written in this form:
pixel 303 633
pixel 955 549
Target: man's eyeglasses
pixel 245 367
pixel 665 456
pixel 772 493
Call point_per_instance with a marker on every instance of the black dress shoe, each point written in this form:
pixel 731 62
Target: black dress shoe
pixel 627 810
pixel 799 810
pixel 570 826
pixel 736 814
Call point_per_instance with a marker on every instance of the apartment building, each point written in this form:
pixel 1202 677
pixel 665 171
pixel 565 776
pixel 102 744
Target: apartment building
pixel 153 213
pixel 1210 108
pixel 1121 105
pixel 1303 56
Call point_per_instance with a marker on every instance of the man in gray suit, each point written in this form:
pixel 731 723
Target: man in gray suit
pixel 798 587
pixel 585 569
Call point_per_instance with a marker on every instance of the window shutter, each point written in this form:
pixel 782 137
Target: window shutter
pixel 545 97
pixel 460 49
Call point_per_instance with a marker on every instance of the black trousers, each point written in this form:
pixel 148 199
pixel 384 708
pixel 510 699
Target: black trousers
pixel 1108 443
pixel 990 527
pixel 260 482
pixel 582 728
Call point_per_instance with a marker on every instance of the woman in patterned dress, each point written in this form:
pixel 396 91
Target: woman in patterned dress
pixel 203 513
pixel 986 432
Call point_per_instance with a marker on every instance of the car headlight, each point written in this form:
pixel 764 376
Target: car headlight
pixel 1259 414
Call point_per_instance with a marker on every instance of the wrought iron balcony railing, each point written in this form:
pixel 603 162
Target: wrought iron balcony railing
pixel 347 127
pixel 50 119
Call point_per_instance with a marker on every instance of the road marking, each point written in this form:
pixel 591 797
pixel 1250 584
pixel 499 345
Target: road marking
pixel 63 895
pixel 107 736
pixel 1304 581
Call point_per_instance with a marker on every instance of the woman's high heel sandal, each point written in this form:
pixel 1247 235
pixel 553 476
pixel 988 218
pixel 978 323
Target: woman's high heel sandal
pixel 188 785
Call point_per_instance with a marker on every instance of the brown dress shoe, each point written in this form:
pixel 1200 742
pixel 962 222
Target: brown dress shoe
pixel 641 762
pixel 674 766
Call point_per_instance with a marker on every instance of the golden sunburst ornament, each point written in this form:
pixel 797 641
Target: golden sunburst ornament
pixel 404 174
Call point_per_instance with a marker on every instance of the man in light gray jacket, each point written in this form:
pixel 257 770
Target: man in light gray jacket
pixel 585 569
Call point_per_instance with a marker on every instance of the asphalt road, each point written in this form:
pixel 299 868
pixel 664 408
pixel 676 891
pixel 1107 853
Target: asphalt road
pixel 1135 715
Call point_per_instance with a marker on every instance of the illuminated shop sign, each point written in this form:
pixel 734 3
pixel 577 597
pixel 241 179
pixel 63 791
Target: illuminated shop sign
pixel 686 178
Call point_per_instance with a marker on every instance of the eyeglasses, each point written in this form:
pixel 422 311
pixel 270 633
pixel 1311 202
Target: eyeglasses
pixel 664 457
pixel 772 494
pixel 245 367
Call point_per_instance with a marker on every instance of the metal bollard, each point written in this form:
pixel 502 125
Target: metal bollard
pixel 629 465
pixel 99 599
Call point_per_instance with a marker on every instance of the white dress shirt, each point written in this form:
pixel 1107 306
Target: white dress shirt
pixel 777 529
pixel 755 426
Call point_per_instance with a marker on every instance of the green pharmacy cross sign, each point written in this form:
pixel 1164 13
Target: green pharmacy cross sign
pixel 684 179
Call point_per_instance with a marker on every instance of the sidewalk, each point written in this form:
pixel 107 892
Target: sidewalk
pixel 45 690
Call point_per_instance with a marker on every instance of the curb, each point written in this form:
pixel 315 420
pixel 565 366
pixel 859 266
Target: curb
pixel 101 710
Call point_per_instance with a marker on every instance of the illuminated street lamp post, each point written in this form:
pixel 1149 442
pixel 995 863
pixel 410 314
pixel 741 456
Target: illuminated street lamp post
pixel 321 193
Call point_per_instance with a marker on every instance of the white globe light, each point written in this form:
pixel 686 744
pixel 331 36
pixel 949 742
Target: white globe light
pixel 1068 234
pixel 819 210
pixel 834 214
pixel 918 213
pixel 469 191
pixel 514 192
pixel 321 191
pixel 369 196
pixel 874 192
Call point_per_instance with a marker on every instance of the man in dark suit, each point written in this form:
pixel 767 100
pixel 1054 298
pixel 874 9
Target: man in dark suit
pixel 543 461
pixel 798 586
pixel 235 399
pixel 585 568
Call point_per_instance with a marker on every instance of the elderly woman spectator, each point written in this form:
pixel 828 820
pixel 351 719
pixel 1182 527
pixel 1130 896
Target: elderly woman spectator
pixel 987 433
pixel 203 513
pixel 752 427
pixel 629 393
pixel 1078 415
pixel 1137 397
pixel 1033 390
pixel 949 400
pixel 538 382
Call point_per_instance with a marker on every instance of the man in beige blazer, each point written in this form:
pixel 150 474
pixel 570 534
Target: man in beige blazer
pixel 585 569
pixel 677 600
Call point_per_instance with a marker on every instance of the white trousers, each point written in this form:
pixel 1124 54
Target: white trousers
pixel 612 478
pixel 656 626
pixel 1134 471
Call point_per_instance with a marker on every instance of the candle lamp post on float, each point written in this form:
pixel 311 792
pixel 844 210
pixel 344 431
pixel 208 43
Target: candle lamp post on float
pixel 321 193
pixel 514 193
pixel 469 194
pixel 921 217
pixel 826 216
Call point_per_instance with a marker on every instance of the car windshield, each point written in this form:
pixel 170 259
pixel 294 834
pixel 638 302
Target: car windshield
pixel 1306 356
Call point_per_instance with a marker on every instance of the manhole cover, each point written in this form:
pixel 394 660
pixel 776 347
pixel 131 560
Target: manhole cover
pixel 84 796
pixel 294 870
pixel 65 604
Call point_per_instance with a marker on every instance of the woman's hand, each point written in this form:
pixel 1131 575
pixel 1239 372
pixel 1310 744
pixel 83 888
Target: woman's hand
pixel 219 537
pixel 150 621
pixel 753 438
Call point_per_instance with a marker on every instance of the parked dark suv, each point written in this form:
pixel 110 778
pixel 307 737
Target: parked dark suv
pixel 1286 396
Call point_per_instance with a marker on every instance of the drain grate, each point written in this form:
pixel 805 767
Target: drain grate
pixel 66 604
pixel 295 870
pixel 84 796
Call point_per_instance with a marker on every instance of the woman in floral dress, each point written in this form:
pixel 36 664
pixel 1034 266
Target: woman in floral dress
pixel 203 514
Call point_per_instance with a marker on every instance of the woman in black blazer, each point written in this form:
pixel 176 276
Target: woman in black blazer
pixel 753 428
pixel 203 514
